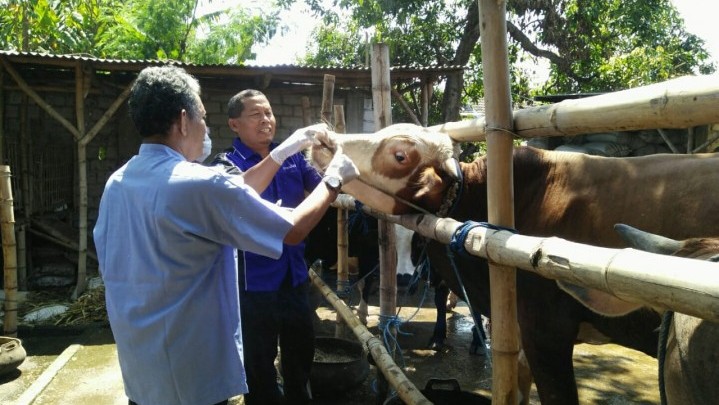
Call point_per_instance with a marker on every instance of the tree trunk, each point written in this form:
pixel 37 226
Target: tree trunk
pixel 455 82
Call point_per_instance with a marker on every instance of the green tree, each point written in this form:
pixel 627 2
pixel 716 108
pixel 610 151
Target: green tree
pixel 592 45
pixel 134 29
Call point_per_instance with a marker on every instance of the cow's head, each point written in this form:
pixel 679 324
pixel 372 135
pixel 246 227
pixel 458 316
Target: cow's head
pixel 402 167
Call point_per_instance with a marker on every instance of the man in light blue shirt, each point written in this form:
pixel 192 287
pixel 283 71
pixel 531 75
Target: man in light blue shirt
pixel 166 238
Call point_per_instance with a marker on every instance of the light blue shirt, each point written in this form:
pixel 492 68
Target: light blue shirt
pixel 166 236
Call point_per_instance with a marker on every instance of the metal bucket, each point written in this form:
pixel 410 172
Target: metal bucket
pixel 339 366
pixel 12 354
pixel 453 395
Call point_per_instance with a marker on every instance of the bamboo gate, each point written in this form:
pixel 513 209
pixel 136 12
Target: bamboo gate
pixel 678 103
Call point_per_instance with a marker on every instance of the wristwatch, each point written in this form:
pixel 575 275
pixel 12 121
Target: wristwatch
pixel 334 183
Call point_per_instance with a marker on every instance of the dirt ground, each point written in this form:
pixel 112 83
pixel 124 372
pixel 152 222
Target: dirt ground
pixel 606 374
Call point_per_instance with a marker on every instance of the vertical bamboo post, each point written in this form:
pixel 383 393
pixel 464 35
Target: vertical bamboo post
pixel 382 97
pixel 7 229
pixel 306 111
pixel 22 257
pixel 426 96
pixel 25 166
pixel 342 233
pixel 340 124
pixel 500 198
pixel 82 182
pixel 328 90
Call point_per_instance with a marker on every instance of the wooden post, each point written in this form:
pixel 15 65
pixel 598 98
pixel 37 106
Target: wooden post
pixel 382 98
pixel 7 228
pixel 343 276
pixel 82 182
pixel 426 97
pixel 306 112
pixel 328 90
pixel 500 199
pixel 22 257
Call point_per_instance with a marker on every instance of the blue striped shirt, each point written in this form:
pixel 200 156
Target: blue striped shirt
pixel 295 177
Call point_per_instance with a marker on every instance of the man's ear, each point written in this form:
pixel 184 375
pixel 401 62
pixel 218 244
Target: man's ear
pixel 184 120
pixel 232 123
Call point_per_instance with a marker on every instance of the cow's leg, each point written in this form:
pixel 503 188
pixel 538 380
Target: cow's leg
pixel 439 334
pixel 548 345
pixel 524 377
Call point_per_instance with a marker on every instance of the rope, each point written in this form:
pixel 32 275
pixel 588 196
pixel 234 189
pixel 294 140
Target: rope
pixel 456 246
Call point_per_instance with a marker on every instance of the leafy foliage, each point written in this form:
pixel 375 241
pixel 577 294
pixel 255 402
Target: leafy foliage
pixel 592 45
pixel 134 29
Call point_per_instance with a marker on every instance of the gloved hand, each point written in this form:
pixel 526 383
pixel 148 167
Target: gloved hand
pixel 301 139
pixel 342 166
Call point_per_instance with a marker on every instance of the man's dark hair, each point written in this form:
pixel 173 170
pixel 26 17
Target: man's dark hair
pixel 159 95
pixel 236 103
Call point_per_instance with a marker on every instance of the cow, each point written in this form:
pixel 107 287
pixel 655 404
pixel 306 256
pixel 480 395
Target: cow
pixel 405 168
pixel 688 370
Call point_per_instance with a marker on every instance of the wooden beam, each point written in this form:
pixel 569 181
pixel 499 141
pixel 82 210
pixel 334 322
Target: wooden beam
pixel 678 103
pixel 40 102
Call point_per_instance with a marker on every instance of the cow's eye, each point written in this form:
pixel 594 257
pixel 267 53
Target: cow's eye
pixel 400 156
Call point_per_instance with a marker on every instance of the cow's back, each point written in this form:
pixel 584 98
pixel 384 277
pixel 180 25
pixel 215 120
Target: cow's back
pixel 580 197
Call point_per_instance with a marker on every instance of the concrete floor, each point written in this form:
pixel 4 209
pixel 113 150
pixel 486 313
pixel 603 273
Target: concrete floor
pixel 81 368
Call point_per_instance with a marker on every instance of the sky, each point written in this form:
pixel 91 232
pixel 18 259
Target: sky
pixel 286 48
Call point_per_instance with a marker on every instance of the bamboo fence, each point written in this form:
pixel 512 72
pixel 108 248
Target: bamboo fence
pixel 689 286
pixel 500 201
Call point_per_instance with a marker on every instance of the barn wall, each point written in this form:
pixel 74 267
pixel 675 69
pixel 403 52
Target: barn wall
pixel 53 168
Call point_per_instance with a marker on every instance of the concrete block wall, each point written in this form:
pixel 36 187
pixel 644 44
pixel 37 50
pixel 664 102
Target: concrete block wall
pixel 118 140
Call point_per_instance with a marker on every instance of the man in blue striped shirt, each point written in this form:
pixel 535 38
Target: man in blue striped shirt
pixel 274 293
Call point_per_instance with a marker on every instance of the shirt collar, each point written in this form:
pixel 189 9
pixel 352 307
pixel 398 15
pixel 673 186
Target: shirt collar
pixel 159 149
pixel 244 151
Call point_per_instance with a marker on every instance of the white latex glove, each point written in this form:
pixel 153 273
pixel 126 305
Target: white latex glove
pixel 341 166
pixel 301 139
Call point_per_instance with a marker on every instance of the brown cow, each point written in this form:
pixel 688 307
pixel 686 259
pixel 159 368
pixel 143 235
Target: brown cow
pixel 690 372
pixel 405 168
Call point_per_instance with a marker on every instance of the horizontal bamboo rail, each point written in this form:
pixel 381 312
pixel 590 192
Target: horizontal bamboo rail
pixel 684 285
pixel 679 103
pixel 384 361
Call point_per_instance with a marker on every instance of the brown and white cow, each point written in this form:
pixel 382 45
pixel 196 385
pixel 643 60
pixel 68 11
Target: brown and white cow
pixel 689 371
pixel 405 168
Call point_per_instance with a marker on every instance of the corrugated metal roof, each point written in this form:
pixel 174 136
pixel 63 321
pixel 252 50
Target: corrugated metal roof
pixel 353 75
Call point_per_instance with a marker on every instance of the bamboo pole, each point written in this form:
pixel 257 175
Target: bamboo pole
pixel 343 275
pixel 26 169
pixel 382 99
pixel 384 361
pixel 306 112
pixel 22 257
pixel 683 285
pixel 500 199
pixel 7 228
pixel 82 182
pixel 426 96
pixel 678 103
pixel 405 106
pixel 328 89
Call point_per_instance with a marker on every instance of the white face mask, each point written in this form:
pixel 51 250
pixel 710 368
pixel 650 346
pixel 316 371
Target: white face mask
pixel 206 147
